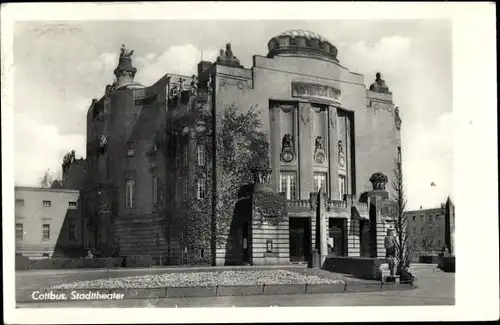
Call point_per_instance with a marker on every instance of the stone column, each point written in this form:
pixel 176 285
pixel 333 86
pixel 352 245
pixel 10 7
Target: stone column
pixel 376 199
pixel 275 134
pixel 305 151
pixel 333 152
pixel 322 227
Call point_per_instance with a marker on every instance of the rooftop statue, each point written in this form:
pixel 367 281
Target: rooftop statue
pixel 124 53
pixel 228 56
pixel 379 84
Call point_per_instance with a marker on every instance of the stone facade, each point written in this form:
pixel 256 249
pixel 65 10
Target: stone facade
pixel 324 127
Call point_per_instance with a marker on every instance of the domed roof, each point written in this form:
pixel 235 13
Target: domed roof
pixel 306 33
pixel 302 43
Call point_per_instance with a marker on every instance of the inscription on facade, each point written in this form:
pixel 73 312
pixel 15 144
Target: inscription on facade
pixel 315 91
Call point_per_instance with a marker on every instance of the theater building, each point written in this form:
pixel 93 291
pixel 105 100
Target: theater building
pixel 325 129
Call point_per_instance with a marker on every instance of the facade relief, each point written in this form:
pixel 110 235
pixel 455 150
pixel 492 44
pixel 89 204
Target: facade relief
pixel 287 152
pixel 341 154
pixel 319 152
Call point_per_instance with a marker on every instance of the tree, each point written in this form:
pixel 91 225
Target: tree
pixel 239 145
pixel 48 179
pixel 404 249
pixel 429 236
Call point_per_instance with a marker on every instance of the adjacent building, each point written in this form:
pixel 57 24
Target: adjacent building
pixel 427 229
pixel 325 130
pixel 48 222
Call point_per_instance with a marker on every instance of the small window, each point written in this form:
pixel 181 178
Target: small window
pixel 19 231
pixel 45 231
pixel 200 154
pixel 45 255
pixel 46 203
pixel 72 232
pixel 73 204
pixel 414 218
pixel 130 149
pixel 20 202
pixel 421 218
pixel 201 191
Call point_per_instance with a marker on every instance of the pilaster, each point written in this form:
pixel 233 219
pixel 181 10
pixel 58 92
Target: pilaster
pixel 333 153
pixel 305 151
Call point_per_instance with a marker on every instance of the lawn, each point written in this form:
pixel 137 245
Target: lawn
pixel 195 279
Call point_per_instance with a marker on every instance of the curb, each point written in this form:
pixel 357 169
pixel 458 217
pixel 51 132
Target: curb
pixel 55 295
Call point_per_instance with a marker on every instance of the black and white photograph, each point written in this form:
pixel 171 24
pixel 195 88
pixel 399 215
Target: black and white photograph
pixel 184 157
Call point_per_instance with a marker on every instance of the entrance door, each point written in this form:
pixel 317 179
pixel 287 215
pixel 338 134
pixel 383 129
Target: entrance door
pixel 300 239
pixel 336 237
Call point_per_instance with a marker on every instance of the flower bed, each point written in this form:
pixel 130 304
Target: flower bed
pixel 200 279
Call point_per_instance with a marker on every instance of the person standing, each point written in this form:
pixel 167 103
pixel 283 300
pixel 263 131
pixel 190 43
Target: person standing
pixel 390 249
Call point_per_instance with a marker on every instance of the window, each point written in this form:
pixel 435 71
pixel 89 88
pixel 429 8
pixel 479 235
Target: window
pixel 320 182
pixel 429 218
pixel 439 242
pixel 20 202
pixel 19 231
pixel 72 204
pixel 46 203
pixel 185 156
pixel 414 218
pixel 399 155
pixel 45 231
pixel 342 186
pixel 421 218
pixel 155 190
pixel 130 149
pixel 186 188
pixel 72 232
pixel 288 185
pixel 200 155
pixel 129 193
pixel 45 255
pixel 201 188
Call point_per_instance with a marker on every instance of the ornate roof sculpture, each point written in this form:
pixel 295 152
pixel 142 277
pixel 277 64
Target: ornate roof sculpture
pixel 124 72
pixel 302 43
pixel 379 84
pixel 228 58
pixel 378 181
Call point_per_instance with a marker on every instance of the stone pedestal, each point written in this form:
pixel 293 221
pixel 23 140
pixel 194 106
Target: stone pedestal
pixel 378 226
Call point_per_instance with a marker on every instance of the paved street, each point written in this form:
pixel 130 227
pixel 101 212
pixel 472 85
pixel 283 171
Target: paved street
pixel 434 288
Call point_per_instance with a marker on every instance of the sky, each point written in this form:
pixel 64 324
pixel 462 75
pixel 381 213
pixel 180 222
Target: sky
pixel 60 66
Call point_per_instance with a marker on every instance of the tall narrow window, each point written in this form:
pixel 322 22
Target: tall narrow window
pixel 72 232
pixel 45 231
pixel 186 189
pixel 129 193
pixel 201 188
pixel 155 190
pixel 342 185
pixel 19 231
pixel 185 156
pixel 320 182
pixel 288 185
pixel 200 155
pixel 399 155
